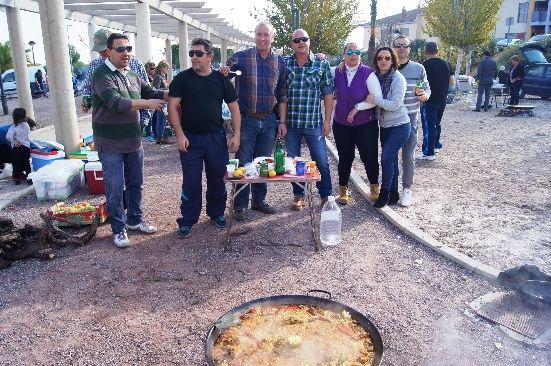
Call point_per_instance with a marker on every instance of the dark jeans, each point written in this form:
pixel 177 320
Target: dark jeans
pixel 392 140
pixel 515 90
pixel 486 90
pixel 318 152
pixel 212 150
pixel 257 139
pixel 6 155
pixel 123 170
pixel 160 123
pixel 21 162
pixel 366 138
pixel 151 127
pixel 431 117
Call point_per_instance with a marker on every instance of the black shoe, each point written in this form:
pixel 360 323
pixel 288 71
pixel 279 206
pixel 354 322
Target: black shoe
pixel 17 182
pixel 476 110
pixel 239 214
pixel 30 182
pixel 264 208
pixel 382 201
pixel 219 221
pixel 394 197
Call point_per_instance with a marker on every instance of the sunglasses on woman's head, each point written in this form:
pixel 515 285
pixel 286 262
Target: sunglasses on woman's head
pixel 386 58
pixel 353 52
pixel 197 53
pixel 121 49
pixel 299 39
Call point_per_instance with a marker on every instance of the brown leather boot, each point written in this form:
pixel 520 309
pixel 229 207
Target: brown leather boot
pixel 374 192
pixel 344 195
pixel 298 203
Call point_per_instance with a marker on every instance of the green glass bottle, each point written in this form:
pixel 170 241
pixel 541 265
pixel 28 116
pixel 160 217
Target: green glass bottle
pixel 279 158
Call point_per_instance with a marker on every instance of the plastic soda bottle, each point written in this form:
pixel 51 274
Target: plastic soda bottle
pixel 279 158
pixel 330 223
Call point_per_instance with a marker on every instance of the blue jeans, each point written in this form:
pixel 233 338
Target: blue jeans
pixel 483 89
pixel 318 152
pixel 120 170
pixel 258 137
pixel 392 140
pixel 151 127
pixel 431 116
pixel 212 150
pixel 160 123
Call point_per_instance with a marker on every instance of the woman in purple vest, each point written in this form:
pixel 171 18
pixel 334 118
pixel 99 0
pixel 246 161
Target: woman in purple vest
pixel 355 122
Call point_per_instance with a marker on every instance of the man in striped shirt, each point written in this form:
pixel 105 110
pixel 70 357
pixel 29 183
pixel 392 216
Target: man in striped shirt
pixel 415 74
pixel 308 80
pixel 100 46
pixel 117 94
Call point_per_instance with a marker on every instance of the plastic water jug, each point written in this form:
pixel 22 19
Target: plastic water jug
pixel 330 223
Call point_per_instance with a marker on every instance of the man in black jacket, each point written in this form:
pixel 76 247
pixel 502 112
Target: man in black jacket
pixel 487 71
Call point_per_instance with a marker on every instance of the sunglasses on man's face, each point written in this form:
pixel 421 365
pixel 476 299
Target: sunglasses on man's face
pixel 353 52
pixel 197 53
pixel 121 49
pixel 300 39
pixel 401 46
pixel 386 58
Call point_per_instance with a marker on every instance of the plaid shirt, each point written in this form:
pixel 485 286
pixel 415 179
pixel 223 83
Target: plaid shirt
pixel 307 85
pixel 262 82
pixel 136 66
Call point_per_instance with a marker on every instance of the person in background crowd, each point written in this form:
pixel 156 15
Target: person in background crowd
pixel 6 154
pixel 309 81
pixel 485 74
pixel 355 123
pixel 39 80
pixel 503 76
pixel 160 82
pixel 393 119
pixel 415 74
pixel 516 76
pixel 200 135
pixel 116 127
pixel 150 132
pixel 100 46
pixel 18 137
pixel 440 78
pixel 261 85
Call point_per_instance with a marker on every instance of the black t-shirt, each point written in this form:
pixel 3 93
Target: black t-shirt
pixel 438 74
pixel 202 99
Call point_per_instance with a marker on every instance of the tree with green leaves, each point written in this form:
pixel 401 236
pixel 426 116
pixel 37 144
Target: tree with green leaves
pixel 6 62
pixel 74 57
pixel 328 22
pixel 373 20
pixel 462 23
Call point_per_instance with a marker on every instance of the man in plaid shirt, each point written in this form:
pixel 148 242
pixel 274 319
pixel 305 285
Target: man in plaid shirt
pixel 100 46
pixel 308 80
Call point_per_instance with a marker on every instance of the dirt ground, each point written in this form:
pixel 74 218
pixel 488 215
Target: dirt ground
pixel 154 302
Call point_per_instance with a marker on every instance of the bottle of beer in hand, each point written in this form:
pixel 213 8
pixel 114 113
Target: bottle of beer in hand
pixel 279 158
pixel 419 87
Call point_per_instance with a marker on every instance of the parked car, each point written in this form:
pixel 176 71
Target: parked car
pixel 502 44
pixel 10 85
pixel 537 79
pixel 541 38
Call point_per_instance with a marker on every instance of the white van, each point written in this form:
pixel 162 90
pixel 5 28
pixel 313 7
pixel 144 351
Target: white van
pixel 10 86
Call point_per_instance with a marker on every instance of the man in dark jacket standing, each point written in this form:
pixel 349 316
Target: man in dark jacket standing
pixel 487 71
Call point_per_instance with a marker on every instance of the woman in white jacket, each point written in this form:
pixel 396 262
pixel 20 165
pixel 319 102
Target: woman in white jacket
pixel 393 120
pixel 18 137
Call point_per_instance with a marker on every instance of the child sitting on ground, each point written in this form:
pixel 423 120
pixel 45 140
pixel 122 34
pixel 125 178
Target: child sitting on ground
pixel 18 136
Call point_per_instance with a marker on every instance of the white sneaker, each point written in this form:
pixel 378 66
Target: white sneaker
pixel 121 240
pixel 143 227
pixel 436 150
pixel 405 201
pixel 426 157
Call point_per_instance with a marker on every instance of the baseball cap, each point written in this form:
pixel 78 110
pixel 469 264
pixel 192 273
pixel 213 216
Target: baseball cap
pixel 100 40
pixel 431 48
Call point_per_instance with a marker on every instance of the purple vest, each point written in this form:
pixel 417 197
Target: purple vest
pixel 348 96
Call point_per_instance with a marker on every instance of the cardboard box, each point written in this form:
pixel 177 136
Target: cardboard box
pixel 81 218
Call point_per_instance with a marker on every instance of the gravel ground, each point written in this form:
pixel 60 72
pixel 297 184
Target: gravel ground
pixel 153 302
pixel 488 193
pixel 43 110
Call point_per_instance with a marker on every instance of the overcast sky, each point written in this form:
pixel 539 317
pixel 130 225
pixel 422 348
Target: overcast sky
pixel 236 12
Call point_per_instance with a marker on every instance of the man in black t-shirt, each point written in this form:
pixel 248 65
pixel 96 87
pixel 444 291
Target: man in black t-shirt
pixel 195 113
pixel 440 78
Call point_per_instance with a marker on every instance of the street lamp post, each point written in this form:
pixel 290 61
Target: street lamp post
pixel 32 43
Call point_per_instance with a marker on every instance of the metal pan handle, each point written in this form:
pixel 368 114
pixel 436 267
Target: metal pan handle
pixel 329 295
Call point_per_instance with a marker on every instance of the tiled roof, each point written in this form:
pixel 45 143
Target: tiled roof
pixel 409 16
